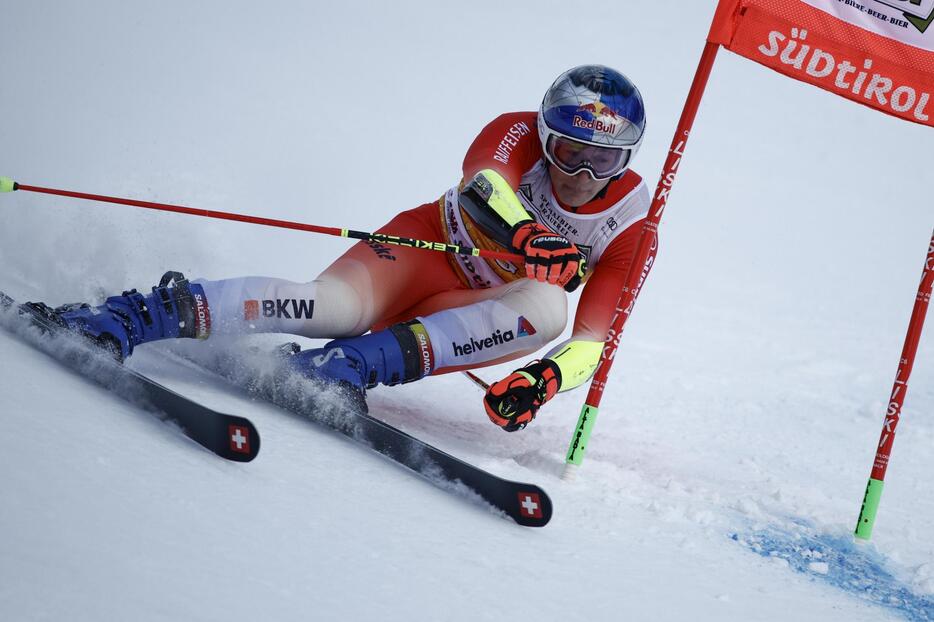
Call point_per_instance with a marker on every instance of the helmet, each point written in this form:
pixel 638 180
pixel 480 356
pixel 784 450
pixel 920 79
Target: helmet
pixel 592 118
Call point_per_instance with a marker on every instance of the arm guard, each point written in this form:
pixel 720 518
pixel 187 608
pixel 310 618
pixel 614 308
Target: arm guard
pixel 577 360
pixel 493 205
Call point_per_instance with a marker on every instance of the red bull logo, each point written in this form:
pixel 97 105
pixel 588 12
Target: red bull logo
pixel 602 118
pixel 599 109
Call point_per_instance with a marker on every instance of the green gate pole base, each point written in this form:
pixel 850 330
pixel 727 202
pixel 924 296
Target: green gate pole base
pixel 7 184
pixel 867 514
pixel 581 437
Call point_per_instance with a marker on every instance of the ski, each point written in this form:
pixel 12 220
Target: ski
pixel 262 377
pixel 228 436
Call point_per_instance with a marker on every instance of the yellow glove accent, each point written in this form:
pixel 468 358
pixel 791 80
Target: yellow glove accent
pixel 577 361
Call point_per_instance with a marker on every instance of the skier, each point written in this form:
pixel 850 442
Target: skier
pixel 554 187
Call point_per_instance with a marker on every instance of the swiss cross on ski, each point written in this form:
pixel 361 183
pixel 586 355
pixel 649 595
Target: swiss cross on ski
pixel 239 439
pixel 530 505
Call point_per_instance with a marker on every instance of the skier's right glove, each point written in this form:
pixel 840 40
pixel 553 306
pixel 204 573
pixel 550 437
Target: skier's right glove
pixel 514 401
pixel 549 257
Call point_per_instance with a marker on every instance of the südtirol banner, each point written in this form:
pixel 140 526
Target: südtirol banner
pixel 879 53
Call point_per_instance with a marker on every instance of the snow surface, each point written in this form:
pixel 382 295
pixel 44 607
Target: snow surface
pixel 734 441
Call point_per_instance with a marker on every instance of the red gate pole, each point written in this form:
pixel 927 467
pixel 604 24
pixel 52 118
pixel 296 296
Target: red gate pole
pixel 642 262
pixel 867 513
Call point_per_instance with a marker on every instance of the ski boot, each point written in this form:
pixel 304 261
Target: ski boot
pixel 123 322
pixel 401 353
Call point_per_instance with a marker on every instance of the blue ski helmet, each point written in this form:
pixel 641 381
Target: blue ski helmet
pixel 591 105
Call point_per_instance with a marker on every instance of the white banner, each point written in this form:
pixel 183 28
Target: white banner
pixel 907 21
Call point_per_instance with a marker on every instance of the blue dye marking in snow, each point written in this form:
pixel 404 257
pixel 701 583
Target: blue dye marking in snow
pixel 838 561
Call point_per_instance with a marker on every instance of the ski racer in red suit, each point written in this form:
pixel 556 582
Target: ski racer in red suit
pixel 553 186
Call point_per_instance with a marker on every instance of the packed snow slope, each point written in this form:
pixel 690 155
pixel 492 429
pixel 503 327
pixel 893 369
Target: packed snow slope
pixel 736 435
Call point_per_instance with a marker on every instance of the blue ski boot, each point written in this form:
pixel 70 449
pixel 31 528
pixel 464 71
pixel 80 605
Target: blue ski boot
pixel 398 354
pixel 123 322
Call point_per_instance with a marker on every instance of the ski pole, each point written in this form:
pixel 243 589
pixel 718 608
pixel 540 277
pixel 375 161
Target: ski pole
pixel 477 380
pixel 867 513
pixel 8 185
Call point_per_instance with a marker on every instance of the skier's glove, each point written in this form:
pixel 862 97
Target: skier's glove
pixel 549 257
pixel 513 401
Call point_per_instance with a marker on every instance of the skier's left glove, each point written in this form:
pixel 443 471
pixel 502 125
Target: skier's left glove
pixel 514 401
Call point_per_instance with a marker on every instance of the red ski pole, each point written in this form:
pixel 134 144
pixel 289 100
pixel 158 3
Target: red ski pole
pixel 867 513
pixel 8 185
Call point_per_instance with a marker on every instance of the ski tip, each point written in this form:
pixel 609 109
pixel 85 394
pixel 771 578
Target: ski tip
pixel 234 438
pixel 7 184
pixel 533 507
pixel 239 441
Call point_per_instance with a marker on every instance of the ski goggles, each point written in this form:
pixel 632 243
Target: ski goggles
pixel 572 156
